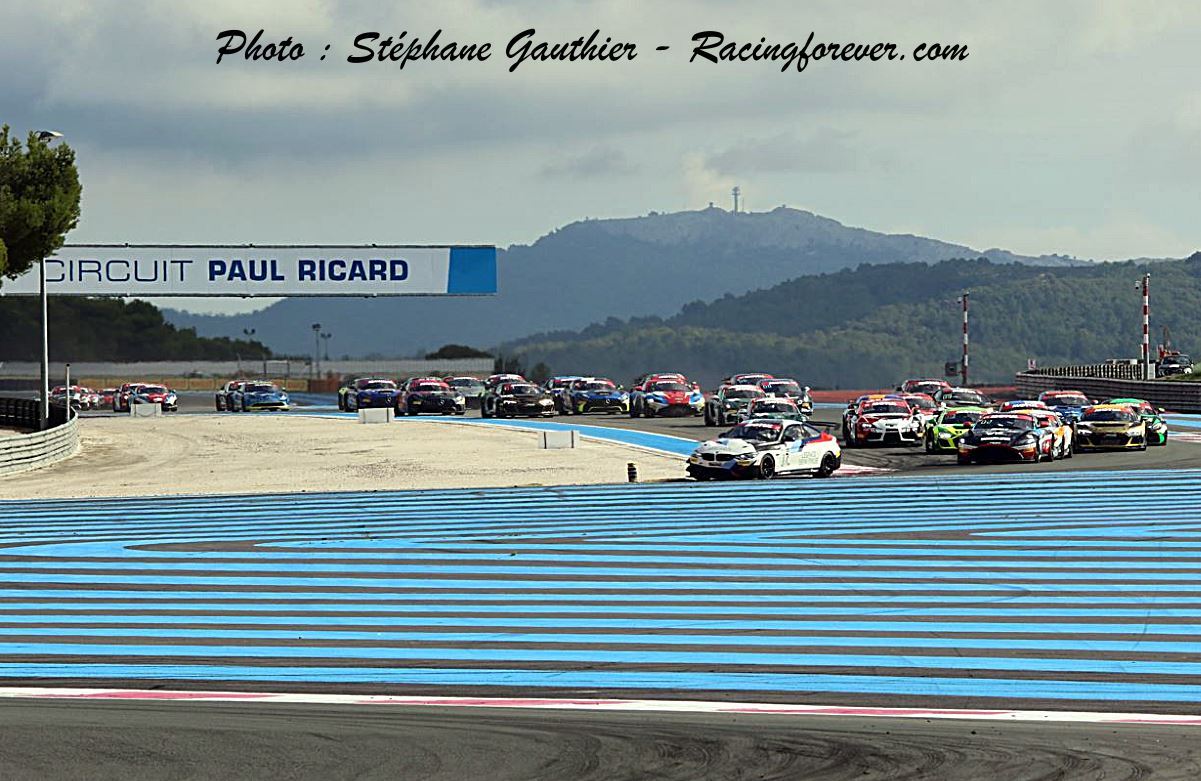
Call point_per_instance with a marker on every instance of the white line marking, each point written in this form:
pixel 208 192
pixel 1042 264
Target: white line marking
pixel 583 703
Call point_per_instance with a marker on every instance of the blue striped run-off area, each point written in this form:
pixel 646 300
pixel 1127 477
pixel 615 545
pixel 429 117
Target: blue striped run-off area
pixel 1079 586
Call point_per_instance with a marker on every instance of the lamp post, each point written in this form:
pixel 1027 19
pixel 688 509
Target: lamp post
pixel 316 350
pixel 249 333
pixel 325 338
pixel 964 365
pixel 1146 287
pixel 46 137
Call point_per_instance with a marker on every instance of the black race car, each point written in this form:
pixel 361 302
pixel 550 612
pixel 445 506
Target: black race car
pixel 513 399
pixel 431 395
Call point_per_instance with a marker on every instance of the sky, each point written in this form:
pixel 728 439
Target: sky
pixel 1072 127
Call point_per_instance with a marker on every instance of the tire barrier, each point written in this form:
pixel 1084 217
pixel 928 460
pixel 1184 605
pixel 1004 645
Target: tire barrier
pixel 1174 396
pixel 22 452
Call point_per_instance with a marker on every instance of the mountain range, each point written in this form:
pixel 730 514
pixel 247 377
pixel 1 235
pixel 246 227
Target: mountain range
pixel 593 270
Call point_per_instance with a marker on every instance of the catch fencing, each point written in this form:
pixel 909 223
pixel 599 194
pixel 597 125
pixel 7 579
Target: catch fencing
pixel 21 452
pixel 1173 396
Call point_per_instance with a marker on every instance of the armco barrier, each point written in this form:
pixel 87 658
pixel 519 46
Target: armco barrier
pixel 21 452
pixel 1173 396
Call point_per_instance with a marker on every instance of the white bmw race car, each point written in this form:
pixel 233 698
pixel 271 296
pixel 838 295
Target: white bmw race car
pixel 764 448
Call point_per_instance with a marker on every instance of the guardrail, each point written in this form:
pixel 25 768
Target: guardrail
pixel 21 452
pixel 1174 396
pixel 1114 370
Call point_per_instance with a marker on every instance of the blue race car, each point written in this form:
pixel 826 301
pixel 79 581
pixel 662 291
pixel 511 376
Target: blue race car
pixel 372 392
pixel 254 396
pixel 559 389
pixel 596 394
pixel 1067 404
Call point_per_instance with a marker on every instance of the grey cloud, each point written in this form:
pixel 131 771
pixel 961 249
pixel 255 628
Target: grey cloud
pixel 601 161
pixel 823 151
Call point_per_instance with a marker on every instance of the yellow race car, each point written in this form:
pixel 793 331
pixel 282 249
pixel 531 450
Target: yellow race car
pixel 1110 427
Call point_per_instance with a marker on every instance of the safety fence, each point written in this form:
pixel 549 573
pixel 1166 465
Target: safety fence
pixel 20 452
pixel 1113 370
pixel 1173 396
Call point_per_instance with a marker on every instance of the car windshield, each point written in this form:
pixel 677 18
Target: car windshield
pixel 743 393
pixel 379 385
pixel 885 408
pixel 257 387
pixel 466 383
pixel 926 387
pixel 964 397
pixel 1110 416
pixel 1016 423
pixel 522 390
pixel 960 418
pixel 782 386
pixel 599 385
pixel 1066 400
pixel 669 386
pixel 755 431
pixel 774 405
pixel 429 386
pixel 922 403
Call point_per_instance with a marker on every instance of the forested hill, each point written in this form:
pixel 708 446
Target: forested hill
pixel 107 329
pixel 592 269
pixel 869 326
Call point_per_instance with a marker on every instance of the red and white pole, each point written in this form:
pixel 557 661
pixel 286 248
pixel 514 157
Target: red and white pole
pixel 1147 326
pixel 963 366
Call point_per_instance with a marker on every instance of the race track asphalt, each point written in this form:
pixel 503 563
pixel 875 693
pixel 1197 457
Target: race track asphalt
pixel 131 740
pixel 97 741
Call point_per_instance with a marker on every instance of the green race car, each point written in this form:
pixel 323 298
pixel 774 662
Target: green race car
pixel 1157 428
pixel 943 433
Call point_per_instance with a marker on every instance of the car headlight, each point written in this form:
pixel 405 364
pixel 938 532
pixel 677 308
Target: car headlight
pixel 945 435
pixel 1134 431
pixel 1026 439
pixel 745 458
pixel 545 402
pixel 460 399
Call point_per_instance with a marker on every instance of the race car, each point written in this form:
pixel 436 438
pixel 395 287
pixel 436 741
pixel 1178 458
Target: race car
pixel 945 431
pixel 1110 427
pixel 774 408
pixel 882 421
pixel 750 378
pixel 727 403
pixel 664 394
pixel 106 397
pixel 496 379
pixel 1006 436
pixel 928 387
pixel 791 389
pixel 223 398
pixel 429 394
pixel 346 389
pixel 155 394
pixel 1157 428
pixel 595 394
pixel 254 395
pixel 854 403
pixel 1063 446
pixel 558 388
pixel 766 448
pixel 1017 405
pixel 121 397
pixel 510 399
pixel 471 388
pixel 962 397
pixel 923 406
pixel 371 392
pixel 1067 404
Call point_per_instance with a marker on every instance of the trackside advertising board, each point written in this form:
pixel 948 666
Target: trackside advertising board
pixel 248 271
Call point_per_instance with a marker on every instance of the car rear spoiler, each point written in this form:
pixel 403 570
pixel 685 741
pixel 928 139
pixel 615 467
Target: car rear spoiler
pixel 821 424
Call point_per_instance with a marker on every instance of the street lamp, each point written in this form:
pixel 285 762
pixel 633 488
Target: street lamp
pixel 325 338
pixel 317 350
pixel 46 137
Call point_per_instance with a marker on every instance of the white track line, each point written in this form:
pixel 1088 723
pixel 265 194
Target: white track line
pixel 550 703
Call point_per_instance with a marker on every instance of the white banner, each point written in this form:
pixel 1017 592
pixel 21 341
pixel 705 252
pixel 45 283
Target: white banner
pixel 248 271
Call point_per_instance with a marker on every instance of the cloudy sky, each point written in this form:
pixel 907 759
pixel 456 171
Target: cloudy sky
pixel 1073 127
